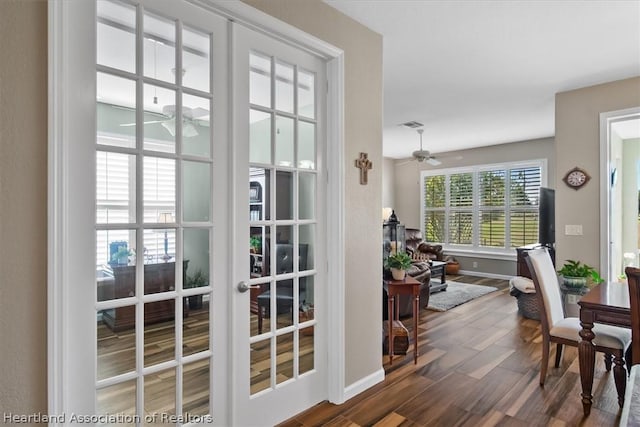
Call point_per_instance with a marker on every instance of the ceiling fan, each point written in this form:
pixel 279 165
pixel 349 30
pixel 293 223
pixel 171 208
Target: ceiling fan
pixel 168 120
pixel 423 155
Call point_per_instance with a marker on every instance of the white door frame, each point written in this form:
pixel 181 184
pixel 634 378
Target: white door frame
pixel 66 54
pixel 606 119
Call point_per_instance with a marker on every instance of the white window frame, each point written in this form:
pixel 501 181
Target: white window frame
pixel 475 249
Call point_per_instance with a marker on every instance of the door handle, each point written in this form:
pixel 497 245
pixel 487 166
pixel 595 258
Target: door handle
pixel 243 287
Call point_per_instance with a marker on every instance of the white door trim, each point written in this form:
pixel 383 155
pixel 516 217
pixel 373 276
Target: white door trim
pixel 606 119
pixel 68 222
pixel 66 54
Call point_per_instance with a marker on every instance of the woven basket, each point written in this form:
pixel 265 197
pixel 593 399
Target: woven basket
pixel 528 305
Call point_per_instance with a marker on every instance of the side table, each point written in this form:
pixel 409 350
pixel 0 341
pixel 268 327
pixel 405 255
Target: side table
pixel 408 286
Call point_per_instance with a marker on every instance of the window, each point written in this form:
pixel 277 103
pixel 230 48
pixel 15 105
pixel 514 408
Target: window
pixel 482 208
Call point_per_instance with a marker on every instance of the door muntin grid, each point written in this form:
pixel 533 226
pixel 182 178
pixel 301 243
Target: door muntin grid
pixel 282 219
pixel 153 207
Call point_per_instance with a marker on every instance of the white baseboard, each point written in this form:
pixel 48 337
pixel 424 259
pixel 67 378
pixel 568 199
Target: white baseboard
pixel 482 274
pixel 363 384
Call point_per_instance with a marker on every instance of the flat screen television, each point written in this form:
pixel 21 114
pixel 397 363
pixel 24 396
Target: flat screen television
pixel 547 217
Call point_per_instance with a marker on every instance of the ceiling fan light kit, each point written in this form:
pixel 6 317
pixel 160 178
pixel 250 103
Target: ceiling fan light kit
pixel 422 155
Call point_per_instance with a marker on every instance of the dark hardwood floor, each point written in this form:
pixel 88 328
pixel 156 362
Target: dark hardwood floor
pixel 478 366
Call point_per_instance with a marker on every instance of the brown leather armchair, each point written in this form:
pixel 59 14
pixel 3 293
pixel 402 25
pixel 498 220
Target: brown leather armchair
pixel 416 246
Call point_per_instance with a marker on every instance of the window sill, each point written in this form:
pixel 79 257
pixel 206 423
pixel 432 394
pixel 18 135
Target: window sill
pixel 504 256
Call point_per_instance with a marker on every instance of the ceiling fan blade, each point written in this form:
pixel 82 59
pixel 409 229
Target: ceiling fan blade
pixel 199 112
pixel 144 123
pixel 433 162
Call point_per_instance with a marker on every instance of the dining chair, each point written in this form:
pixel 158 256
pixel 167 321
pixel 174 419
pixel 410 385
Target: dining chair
pixel 633 279
pixel 556 328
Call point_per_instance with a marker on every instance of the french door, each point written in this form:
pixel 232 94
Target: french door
pixel 174 205
pixel 279 333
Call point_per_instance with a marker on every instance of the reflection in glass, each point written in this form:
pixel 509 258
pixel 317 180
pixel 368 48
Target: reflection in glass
pixel 260 306
pixel 116 116
pixel 116 35
pixel 159 119
pixel 160 394
pixel 159 48
pixel 195 59
pixel 306 298
pixel 284 87
pixel 284 195
pixel 284 253
pixel 306 238
pixel 195 388
pixel 115 188
pixel 259 188
pixel 115 254
pixel 259 137
pixel 306 94
pixel 306 195
pixel 159 246
pixel 284 303
pixel 159 185
pixel 260 368
pixel 196 191
pixel 284 235
pixel 284 356
pixel 259 241
pixel 195 327
pixel 116 350
pixel 284 141
pixel 306 350
pixel 260 80
pixel 306 145
pixel 196 254
pixel 196 120
pixel 117 399
pixel 159 332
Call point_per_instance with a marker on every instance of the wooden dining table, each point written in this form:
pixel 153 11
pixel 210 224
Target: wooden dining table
pixel 606 303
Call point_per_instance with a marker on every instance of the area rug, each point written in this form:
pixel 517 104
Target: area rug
pixel 456 294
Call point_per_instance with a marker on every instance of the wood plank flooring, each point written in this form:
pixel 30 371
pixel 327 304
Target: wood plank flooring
pixel 479 365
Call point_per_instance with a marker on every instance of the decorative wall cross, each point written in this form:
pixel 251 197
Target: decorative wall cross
pixel 364 164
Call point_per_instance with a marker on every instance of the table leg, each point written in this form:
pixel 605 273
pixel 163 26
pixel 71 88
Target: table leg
pixel 443 278
pixel 416 312
pixel 390 315
pixel 587 359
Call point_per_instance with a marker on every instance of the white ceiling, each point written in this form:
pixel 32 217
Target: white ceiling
pixel 479 72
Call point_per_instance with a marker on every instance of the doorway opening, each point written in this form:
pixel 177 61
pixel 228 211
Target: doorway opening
pixel 620 191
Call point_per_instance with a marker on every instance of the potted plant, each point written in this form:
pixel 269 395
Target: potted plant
pixel 577 275
pixel 197 280
pixel 255 244
pixel 398 263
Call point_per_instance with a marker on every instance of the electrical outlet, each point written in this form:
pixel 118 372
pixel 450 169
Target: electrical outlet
pixel 475 264
pixel 573 230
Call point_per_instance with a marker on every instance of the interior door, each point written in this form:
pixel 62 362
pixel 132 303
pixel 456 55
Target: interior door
pixel 279 334
pixel 161 261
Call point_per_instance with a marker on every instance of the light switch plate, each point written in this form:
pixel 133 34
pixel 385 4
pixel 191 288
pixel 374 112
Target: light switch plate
pixel 573 230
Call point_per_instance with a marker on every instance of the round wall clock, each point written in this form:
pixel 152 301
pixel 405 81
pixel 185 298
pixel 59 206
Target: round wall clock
pixel 576 178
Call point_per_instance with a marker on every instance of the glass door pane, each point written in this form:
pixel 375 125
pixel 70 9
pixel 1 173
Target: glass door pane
pixel 155 222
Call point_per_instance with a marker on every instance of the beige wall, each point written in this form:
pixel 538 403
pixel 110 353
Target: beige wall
pixel 23 206
pixel 388 182
pixel 578 144
pixel 363 203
